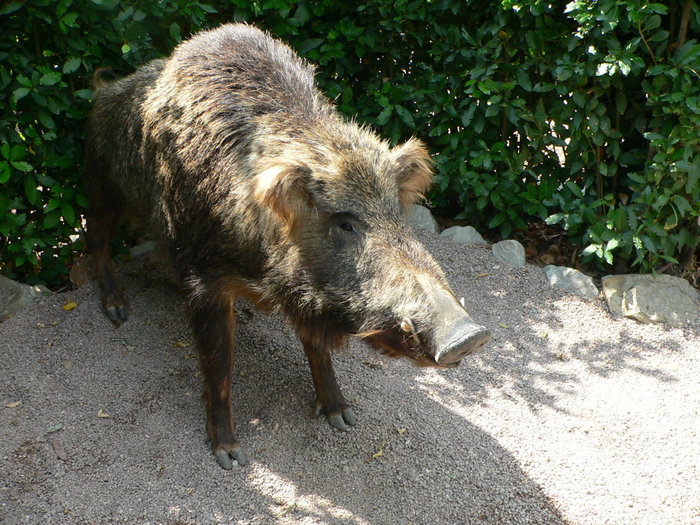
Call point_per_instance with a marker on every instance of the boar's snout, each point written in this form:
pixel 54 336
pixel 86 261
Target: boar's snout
pixel 463 338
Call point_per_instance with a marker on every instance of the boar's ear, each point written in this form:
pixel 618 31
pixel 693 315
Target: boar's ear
pixel 415 171
pixel 284 189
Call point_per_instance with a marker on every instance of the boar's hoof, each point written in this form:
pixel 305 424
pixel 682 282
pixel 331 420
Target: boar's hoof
pixel 223 456
pixel 339 419
pixel 116 314
pixel 114 308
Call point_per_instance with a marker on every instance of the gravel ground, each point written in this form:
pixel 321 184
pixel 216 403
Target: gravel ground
pixel 567 416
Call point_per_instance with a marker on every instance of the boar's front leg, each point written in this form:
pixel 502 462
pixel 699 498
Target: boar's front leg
pixel 329 399
pixel 214 324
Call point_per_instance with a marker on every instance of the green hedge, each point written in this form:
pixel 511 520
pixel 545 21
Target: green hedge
pixel 584 113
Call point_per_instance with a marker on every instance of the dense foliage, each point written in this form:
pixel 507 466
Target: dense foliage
pixel 585 114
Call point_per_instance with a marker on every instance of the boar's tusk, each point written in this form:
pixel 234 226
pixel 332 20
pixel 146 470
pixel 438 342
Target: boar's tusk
pixel 461 301
pixel 407 327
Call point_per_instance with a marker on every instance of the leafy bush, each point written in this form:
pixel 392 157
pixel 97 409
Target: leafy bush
pixel 584 114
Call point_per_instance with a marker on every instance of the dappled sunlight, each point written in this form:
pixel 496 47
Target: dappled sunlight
pixel 543 356
pixel 288 501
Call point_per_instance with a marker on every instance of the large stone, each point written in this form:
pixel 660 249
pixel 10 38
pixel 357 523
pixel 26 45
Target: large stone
pixel 509 251
pixel 420 217
pixel 660 299
pixel 145 248
pixel 14 296
pixel 82 271
pixel 463 234
pixel 571 280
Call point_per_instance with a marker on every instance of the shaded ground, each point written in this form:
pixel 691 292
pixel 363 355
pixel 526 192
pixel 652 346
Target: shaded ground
pixel 568 416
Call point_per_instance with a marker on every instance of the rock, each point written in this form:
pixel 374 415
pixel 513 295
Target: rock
pixel 509 251
pixel 82 271
pixel 14 296
pixel 660 299
pixel 571 280
pixel 420 217
pixel 145 248
pixel 463 234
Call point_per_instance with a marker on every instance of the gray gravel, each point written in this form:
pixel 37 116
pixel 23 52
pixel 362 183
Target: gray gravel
pixel 567 416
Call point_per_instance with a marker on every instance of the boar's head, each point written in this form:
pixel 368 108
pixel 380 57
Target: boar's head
pixel 345 262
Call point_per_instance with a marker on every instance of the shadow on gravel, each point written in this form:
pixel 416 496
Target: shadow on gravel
pixel 133 440
pixel 132 423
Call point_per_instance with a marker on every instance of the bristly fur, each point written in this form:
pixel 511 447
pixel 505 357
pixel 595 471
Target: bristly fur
pixel 230 154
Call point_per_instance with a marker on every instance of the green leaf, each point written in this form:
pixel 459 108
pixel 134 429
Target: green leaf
pixel 574 189
pixel 658 8
pixel 591 248
pixel 498 219
pixel 22 166
pixel 208 8
pixel 51 78
pixel 652 22
pixel 5 171
pixel 125 49
pixel 68 213
pixel 524 80
pixel 10 8
pixel 384 116
pixel 174 31
pixel 580 99
pixel 46 120
pixel 621 102
pixel 540 115
pixel 81 200
pixel 308 45
pixel 69 19
pixel 30 189
pixel 18 152
pixel 71 65
pixel 20 93
pixel 468 115
pixel 682 204
pixel 85 94
pixel 406 116
pixel 620 219
pixel 52 219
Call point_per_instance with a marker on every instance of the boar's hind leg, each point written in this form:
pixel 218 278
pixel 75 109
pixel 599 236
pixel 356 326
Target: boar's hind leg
pixel 329 399
pixel 214 325
pixel 101 224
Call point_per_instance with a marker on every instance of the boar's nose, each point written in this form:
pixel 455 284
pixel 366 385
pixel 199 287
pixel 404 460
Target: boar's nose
pixel 465 338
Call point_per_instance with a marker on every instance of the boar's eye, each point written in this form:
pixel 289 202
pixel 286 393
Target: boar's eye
pixel 346 222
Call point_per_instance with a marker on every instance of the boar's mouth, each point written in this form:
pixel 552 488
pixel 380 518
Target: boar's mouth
pixel 401 341
pixel 463 338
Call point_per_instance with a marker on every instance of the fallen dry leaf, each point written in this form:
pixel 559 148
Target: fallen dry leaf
pixel 287 510
pixel 59 450
pixel 53 428
pixel 102 413
pixel 380 452
pixel 13 404
pixel 181 343
pixel 503 325
pixel 69 305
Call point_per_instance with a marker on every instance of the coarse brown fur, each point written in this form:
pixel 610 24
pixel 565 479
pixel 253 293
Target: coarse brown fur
pixel 229 153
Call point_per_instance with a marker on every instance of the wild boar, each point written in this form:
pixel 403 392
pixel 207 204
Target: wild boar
pixel 229 153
